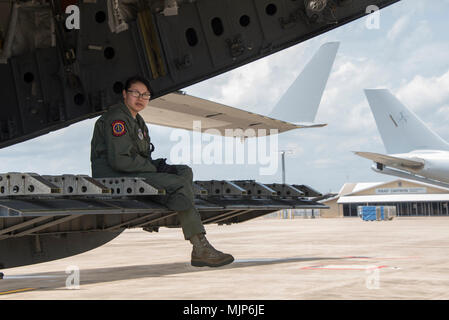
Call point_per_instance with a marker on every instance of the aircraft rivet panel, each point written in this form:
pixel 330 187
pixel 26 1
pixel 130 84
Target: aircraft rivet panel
pixel 20 184
pixel 230 32
pixel 254 188
pixel 184 44
pixel 121 186
pixel 285 190
pixel 221 188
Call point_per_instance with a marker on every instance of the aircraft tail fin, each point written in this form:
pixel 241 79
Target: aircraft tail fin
pixel 300 102
pixel 400 128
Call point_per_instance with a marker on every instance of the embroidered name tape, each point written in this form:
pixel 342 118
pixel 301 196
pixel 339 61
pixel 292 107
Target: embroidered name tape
pixel 118 128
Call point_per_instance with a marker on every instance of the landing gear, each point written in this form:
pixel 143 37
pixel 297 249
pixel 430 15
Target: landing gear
pixel 1 275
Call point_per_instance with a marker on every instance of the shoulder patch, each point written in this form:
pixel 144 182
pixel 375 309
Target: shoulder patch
pixel 118 128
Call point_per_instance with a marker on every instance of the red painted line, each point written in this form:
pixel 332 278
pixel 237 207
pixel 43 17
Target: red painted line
pixel 343 268
pixel 382 258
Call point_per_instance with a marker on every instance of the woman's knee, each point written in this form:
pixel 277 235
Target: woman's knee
pixel 185 172
pixel 179 202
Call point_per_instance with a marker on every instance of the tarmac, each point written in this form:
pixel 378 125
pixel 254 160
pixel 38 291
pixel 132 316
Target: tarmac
pixel 324 259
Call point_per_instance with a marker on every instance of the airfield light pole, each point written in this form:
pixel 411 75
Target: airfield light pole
pixel 283 152
pixel 283 166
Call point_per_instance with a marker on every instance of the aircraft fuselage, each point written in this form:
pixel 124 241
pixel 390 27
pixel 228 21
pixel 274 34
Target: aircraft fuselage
pixel 436 163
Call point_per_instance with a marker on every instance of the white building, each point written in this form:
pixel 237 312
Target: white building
pixel 411 198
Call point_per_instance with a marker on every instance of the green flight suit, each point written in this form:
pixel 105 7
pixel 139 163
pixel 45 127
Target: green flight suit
pixel 120 147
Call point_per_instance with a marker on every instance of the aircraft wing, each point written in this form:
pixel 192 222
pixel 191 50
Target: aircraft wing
pixel 395 162
pixel 178 110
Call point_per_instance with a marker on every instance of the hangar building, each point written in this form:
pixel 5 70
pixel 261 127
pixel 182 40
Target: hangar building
pixel 411 198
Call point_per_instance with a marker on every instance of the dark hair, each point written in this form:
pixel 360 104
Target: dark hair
pixel 135 79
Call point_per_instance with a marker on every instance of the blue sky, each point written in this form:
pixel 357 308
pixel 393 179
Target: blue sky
pixel 409 55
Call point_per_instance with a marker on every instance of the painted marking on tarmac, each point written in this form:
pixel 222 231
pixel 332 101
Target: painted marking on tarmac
pixel 382 258
pixel 343 267
pixel 16 291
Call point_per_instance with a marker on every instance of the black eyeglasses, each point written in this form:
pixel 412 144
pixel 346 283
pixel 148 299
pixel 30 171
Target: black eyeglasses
pixel 137 94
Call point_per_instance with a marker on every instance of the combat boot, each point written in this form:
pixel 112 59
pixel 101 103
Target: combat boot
pixel 203 254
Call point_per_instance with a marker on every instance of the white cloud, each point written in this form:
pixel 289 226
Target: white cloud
pixel 322 163
pixel 398 28
pixel 424 92
pixel 443 112
pixel 257 86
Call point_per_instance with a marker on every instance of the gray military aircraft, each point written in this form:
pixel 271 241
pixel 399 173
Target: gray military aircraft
pixel 65 61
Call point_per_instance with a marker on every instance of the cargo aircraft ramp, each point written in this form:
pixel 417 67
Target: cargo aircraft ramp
pixel 51 217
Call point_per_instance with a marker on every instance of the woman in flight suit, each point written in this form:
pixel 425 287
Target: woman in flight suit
pixel 121 147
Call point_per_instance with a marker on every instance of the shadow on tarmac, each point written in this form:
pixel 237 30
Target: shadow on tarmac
pixel 56 280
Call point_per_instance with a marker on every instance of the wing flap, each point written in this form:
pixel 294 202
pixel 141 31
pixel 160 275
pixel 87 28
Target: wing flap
pixel 390 161
pixel 410 176
pixel 178 110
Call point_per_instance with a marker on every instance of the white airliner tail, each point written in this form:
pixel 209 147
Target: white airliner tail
pixel 400 129
pixel 296 109
pixel 300 102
